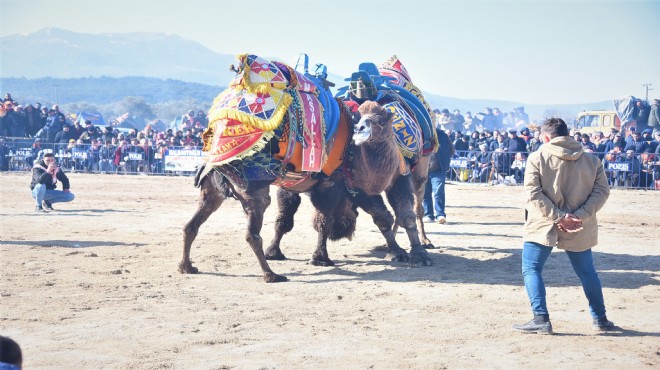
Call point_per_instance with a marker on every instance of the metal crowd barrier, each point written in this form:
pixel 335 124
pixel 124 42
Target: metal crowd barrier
pixel 18 154
pixel 641 171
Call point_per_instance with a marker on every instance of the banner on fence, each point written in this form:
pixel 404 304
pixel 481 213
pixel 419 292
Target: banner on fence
pixel 461 162
pixel 183 159
pixel 618 166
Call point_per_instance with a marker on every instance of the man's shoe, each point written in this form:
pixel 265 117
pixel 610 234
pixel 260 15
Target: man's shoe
pixel 441 220
pixel 603 324
pixel 428 219
pixel 40 209
pixel 48 206
pixel 540 324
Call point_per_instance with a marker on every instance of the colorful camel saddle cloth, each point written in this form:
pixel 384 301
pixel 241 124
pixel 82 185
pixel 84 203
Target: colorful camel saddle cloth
pixel 392 78
pixel 244 117
pixel 407 132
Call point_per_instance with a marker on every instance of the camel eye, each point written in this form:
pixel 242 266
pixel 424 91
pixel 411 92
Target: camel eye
pixel 356 117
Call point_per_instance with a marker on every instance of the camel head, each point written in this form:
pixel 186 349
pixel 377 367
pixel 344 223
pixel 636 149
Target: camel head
pixel 374 126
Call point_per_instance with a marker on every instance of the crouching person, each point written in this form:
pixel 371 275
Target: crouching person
pixel 45 175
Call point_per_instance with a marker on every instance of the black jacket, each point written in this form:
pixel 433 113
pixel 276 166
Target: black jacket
pixel 40 176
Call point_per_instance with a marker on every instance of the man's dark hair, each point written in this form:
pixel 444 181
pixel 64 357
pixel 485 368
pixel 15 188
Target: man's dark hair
pixel 10 352
pixel 554 127
pixel 49 155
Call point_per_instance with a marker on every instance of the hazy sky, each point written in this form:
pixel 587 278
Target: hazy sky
pixel 527 51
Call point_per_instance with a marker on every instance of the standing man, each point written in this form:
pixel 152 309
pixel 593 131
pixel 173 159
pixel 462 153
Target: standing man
pixel 45 175
pixel 434 195
pixel 565 187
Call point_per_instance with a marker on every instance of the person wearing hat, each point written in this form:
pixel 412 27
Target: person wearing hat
pixel 45 176
pixel 482 163
pixel 565 188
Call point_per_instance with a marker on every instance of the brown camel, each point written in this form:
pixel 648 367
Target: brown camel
pixel 372 168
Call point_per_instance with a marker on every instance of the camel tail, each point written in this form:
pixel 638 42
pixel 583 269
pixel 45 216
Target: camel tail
pixel 200 174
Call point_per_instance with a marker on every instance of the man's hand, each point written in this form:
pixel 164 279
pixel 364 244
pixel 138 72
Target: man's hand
pixel 570 223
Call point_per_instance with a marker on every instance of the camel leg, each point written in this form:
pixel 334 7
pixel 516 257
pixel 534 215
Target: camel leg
pixel 375 206
pixel 326 198
pixel 254 205
pixel 211 197
pixel 419 179
pixel 401 199
pixel 288 203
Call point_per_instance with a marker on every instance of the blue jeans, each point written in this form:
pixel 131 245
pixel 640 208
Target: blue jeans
pixel 533 258
pixel 434 195
pixel 40 193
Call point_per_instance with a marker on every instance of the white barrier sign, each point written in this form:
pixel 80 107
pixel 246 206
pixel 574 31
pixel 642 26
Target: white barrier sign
pixel 183 159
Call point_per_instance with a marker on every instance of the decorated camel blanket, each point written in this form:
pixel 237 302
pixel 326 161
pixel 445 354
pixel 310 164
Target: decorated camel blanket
pixel 270 102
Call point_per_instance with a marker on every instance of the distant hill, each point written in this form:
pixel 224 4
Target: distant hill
pixel 97 68
pixel 53 52
pixel 105 90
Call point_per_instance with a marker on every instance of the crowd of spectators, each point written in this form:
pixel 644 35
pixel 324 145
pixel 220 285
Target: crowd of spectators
pixel 495 154
pixel 83 146
pixel 493 145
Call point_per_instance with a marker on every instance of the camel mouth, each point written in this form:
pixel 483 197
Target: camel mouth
pixel 362 135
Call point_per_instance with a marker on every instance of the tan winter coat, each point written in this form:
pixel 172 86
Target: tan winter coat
pixel 561 178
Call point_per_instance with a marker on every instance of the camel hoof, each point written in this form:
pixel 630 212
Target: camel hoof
pixel 275 255
pixel 321 262
pixel 428 246
pixel 187 268
pixel 398 257
pixel 271 277
pixel 419 257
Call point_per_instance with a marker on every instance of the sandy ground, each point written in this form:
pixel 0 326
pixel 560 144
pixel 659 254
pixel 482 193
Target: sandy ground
pixel 95 285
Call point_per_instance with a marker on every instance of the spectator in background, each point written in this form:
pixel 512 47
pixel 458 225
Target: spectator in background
pixel 93 155
pixel 460 120
pixel 499 119
pixel 462 145
pixel 509 120
pixel 588 146
pixel 489 121
pixel 535 142
pixel 107 156
pixel 470 123
pixel 149 154
pixel 434 195
pixel 64 137
pixel 654 116
pixel 77 130
pixel 631 177
pixel 448 121
pixel 516 144
pixel 19 122
pixel 89 134
pixel 641 114
pixel 481 164
pixel 5 118
pixel 32 120
pixel 636 144
pixel 201 121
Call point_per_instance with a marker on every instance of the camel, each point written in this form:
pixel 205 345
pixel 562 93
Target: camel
pixel 335 208
pixel 373 168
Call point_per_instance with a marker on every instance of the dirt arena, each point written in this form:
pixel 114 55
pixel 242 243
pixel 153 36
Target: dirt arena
pixel 95 285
